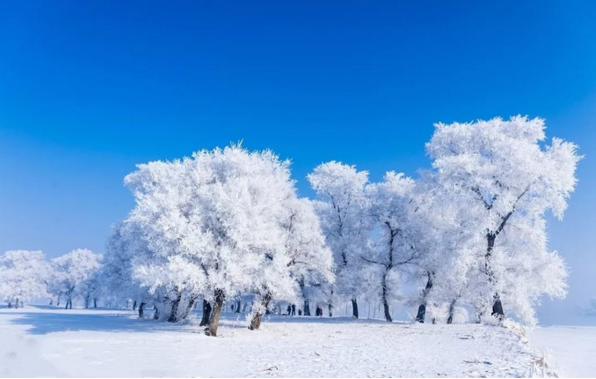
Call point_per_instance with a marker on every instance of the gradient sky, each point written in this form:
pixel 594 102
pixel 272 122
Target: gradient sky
pixel 89 89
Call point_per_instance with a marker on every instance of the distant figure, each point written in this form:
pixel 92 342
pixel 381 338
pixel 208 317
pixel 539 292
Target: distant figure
pixel 293 309
pixel 289 310
pixel 319 311
pixel 299 312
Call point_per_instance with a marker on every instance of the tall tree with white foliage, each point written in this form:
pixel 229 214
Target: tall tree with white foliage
pixel 305 259
pixel 162 240
pixel 73 270
pixel 505 179
pixel 22 276
pixel 342 208
pixel 213 226
pixel 393 211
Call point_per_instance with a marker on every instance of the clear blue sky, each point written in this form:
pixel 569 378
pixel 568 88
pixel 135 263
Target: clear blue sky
pixel 89 89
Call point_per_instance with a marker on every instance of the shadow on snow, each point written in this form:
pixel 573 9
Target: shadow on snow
pixel 60 320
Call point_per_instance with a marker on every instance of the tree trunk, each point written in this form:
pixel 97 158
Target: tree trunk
pixel 189 307
pixel 255 323
pixel 451 311
pixel 306 308
pixel 384 298
pixel 156 314
pixel 497 305
pixel 216 315
pixel 422 308
pixel 206 313
pixel 87 299
pixel 175 304
pixel 95 302
pixel 134 306
pixel 238 306
pixel 355 312
pixel 141 310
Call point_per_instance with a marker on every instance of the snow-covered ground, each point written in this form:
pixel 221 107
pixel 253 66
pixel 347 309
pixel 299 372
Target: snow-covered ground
pixel 79 343
pixel 572 348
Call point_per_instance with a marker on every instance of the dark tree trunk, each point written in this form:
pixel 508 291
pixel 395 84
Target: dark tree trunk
pixel 134 306
pixel 355 312
pixel 422 308
pixel 206 313
pixel 141 310
pixel 306 308
pixel 497 305
pixel 175 305
pixel 87 300
pixel 238 306
pixel 95 302
pixel 156 314
pixel 211 330
pixel 255 323
pixel 451 311
pixel 330 310
pixel 385 301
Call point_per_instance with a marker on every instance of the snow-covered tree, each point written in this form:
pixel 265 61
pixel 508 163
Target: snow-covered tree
pixel 212 225
pixel 73 271
pixel 342 208
pixel 22 276
pixel 503 178
pixel 304 261
pixel 118 281
pixel 393 211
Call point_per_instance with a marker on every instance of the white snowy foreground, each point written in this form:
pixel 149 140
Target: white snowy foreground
pixel 77 343
pixel 572 348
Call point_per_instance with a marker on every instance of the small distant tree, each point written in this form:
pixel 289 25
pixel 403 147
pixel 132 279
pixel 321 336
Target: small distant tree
pixel 73 272
pixel 22 276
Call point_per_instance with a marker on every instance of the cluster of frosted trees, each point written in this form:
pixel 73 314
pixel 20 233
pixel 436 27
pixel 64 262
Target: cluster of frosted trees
pixel 464 241
pixel 27 276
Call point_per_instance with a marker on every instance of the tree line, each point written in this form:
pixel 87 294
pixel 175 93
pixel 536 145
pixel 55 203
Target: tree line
pixel 465 240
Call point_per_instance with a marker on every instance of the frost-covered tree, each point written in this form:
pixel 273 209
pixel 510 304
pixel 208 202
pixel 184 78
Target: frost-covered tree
pixel 164 239
pixel 304 261
pixel 393 211
pixel 342 208
pixel 212 226
pixel 503 178
pixel 118 281
pixel 443 242
pixel 73 271
pixel 22 276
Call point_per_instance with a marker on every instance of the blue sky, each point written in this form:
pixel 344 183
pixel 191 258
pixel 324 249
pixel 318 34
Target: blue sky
pixel 89 89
